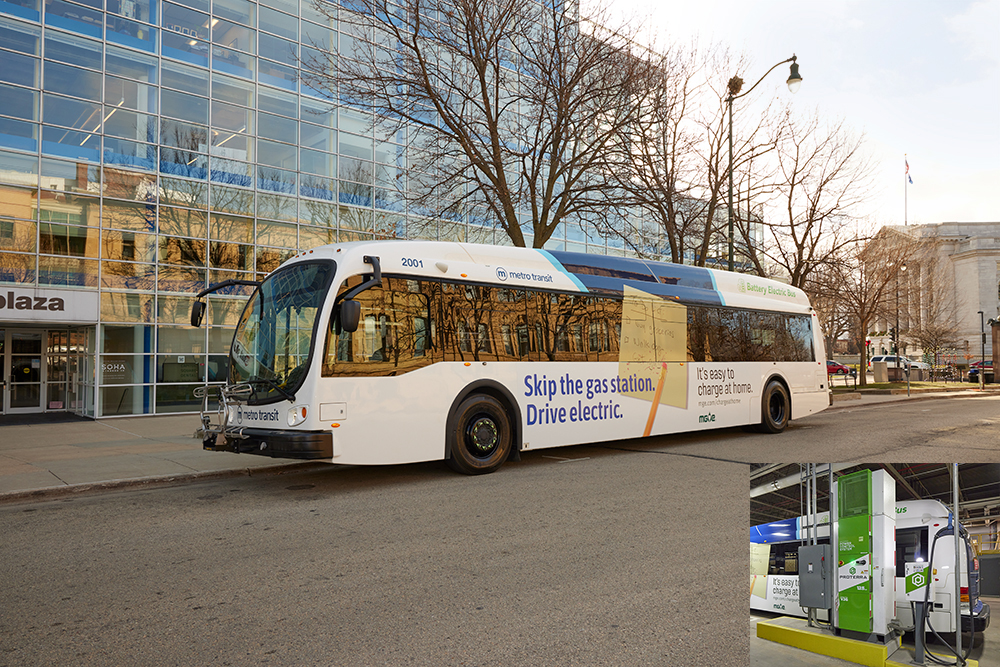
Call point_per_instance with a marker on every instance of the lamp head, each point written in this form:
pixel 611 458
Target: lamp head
pixel 794 78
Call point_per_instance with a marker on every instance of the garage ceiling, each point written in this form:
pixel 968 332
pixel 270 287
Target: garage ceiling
pixel 777 492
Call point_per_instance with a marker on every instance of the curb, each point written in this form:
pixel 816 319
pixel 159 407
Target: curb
pixel 153 482
pixel 903 398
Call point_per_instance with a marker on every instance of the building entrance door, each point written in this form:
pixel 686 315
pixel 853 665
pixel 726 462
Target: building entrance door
pixel 24 371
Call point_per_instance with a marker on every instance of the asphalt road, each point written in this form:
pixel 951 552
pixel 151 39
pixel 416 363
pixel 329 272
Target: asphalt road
pixel 624 553
pixel 946 430
pixel 594 557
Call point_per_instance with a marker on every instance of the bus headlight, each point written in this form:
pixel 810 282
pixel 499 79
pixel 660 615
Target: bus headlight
pixel 296 415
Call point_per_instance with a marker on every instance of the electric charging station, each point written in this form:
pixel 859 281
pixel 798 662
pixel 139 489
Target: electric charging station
pixel 864 544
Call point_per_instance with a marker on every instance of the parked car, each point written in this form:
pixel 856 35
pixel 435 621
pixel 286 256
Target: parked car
pixel 834 368
pixel 890 360
pixel 975 368
pixel 919 365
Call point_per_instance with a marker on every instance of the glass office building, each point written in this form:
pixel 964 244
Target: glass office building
pixel 149 148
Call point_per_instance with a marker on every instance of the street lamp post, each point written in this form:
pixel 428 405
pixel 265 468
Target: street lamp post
pixel 735 85
pixel 982 356
pixel 902 268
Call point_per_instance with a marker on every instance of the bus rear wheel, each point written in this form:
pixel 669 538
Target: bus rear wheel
pixel 481 436
pixel 775 408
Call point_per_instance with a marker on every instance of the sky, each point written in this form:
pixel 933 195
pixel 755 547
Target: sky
pixel 920 78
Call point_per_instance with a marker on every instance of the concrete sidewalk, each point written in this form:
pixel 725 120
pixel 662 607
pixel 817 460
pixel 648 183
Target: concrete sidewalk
pixel 44 459
pixel 47 459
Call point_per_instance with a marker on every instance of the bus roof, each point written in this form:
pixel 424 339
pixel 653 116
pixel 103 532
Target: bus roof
pixel 564 271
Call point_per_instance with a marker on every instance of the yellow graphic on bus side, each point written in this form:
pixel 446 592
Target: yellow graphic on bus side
pixel 653 343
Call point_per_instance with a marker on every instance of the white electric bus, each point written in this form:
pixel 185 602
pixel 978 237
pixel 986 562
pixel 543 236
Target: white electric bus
pixel 919 524
pixel 393 352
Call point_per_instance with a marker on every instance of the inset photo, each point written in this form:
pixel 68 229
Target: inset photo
pixel 874 564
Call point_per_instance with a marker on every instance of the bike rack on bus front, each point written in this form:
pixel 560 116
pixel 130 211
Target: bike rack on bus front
pixel 217 438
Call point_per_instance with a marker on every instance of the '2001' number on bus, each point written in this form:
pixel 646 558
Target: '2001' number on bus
pixel 415 263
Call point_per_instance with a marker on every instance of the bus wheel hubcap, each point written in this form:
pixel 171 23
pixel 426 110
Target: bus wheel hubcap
pixel 482 435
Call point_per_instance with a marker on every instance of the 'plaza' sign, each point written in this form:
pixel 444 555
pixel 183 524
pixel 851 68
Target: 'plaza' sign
pixel 45 305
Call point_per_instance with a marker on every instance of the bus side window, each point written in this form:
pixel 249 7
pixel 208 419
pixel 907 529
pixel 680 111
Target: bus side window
pixel 697 334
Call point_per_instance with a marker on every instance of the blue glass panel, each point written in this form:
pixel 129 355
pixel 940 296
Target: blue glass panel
pixel 19 102
pixel 72 81
pixel 318 188
pixel 319 11
pixel 320 138
pixel 196 54
pixel 183 163
pixel 139 10
pixel 277 128
pixel 240 11
pixel 17 268
pixel 197 4
pixel 233 62
pixel 19 36
pixel 130 64
pixel 76 114
pixel 19 168
pixel 274 154
pixel 274 74
pixel 183 135
pixel 18 134
pixel 279 23
pixel 25 9
pixel 321 113
pixel 278 49
pixel 318 36
pixel 131 33
pixel 389 200
pixel 16 68
pixel 316 162
pixel 71 143
pixel 129 153
pixel 277 101
pixel 226 172
pixel 276 180
pixel 121 122
pixel 73 49
pixel 185 78
pixel 233 36
pixel 183 106
pixel 355 193
pixel 74 17
pixel 227 89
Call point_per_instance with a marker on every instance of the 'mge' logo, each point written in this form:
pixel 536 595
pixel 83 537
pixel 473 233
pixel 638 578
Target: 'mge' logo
pixel 704 419
pixel 10 301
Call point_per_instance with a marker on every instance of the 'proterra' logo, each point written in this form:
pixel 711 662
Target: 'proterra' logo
pixel 501 274
pixel 741 285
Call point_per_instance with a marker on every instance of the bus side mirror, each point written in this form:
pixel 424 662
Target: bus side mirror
pixel 349 315
pixel 197 313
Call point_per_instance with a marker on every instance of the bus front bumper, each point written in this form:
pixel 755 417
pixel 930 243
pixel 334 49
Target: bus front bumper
pixel 307 445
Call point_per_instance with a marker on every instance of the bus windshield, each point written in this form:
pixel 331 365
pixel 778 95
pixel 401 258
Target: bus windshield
pixel 273 341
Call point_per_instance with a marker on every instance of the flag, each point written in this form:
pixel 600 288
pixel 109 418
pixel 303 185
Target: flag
pixel 907 163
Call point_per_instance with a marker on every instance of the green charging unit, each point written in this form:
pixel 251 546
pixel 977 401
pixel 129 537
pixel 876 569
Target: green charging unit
pixel 854 581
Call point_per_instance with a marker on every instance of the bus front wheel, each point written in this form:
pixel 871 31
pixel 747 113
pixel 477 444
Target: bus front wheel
pixel 481 435
pixel 775 408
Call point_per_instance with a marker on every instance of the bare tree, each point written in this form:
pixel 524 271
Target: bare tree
pixel 865 269
pixel 932 307
pixel 509 107
pixel 823 179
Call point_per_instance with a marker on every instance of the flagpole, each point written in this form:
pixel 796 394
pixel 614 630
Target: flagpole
pixel 906 177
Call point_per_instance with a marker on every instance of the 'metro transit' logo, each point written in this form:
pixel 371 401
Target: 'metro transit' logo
pixel 503 275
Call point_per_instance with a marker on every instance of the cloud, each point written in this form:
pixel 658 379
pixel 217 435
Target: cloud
pixel 976 30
